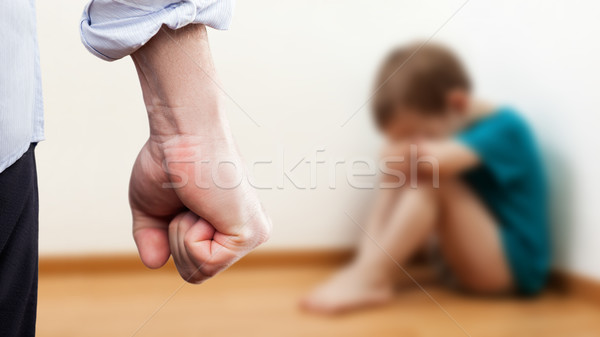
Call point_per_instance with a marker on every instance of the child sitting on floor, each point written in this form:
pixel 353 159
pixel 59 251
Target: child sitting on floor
pixel 489 211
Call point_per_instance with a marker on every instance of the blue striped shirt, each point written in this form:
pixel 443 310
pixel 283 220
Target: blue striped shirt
pixel 110 29
pixel 21 110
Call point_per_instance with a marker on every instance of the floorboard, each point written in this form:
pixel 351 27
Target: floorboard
pixel 262 301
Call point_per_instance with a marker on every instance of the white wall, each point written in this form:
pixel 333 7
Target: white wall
pixel 300 69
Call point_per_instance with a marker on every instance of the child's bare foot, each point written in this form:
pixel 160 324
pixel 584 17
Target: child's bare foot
pixel 352 288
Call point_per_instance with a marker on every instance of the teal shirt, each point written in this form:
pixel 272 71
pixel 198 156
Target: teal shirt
pixel 510 181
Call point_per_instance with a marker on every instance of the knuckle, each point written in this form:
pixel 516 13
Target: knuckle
pixel 254 235
pixel 194 279
pixel 194 275
pixel 264 234
pixel 210 272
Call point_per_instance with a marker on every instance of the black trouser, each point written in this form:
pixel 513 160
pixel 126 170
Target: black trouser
pixel 19 247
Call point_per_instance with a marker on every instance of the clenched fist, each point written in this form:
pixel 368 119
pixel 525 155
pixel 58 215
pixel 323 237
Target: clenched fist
pixel 189 193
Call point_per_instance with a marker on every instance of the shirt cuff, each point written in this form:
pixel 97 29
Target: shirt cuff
pixel 112 29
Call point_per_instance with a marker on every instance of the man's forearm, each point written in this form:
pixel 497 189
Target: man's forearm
pixel 178 81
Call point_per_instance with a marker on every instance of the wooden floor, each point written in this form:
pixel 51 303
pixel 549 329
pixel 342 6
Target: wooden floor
pixel 262 301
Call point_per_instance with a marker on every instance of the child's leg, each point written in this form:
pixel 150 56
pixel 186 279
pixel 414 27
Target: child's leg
pixel 411 222
pixel 370 278
pixel 469 237
pixel 470 241
pixel 379 213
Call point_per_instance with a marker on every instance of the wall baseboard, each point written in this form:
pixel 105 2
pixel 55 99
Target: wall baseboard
pixel 563 281
pixel 576 285
pixel 85 264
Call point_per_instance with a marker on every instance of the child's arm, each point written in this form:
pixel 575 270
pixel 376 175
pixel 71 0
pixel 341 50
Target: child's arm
pixel 447 157
pixel 452 156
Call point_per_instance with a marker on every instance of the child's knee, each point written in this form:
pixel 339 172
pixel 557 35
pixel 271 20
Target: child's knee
pixel 452 189
pixel 421 193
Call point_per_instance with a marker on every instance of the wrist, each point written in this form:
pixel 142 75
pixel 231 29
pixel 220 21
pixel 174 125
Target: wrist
pixel 179 85
pixel 168 122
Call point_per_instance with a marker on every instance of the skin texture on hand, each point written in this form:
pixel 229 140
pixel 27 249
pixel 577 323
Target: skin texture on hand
pixel 189 193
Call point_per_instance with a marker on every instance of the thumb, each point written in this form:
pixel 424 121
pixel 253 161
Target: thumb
pixel 152 239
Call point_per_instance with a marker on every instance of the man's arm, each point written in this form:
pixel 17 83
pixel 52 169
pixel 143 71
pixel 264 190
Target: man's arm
pixel 179 84
pixel 189 141
pixel 211 217
pixel 189 193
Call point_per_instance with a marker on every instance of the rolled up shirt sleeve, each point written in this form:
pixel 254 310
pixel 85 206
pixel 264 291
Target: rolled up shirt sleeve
pixel 112 29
